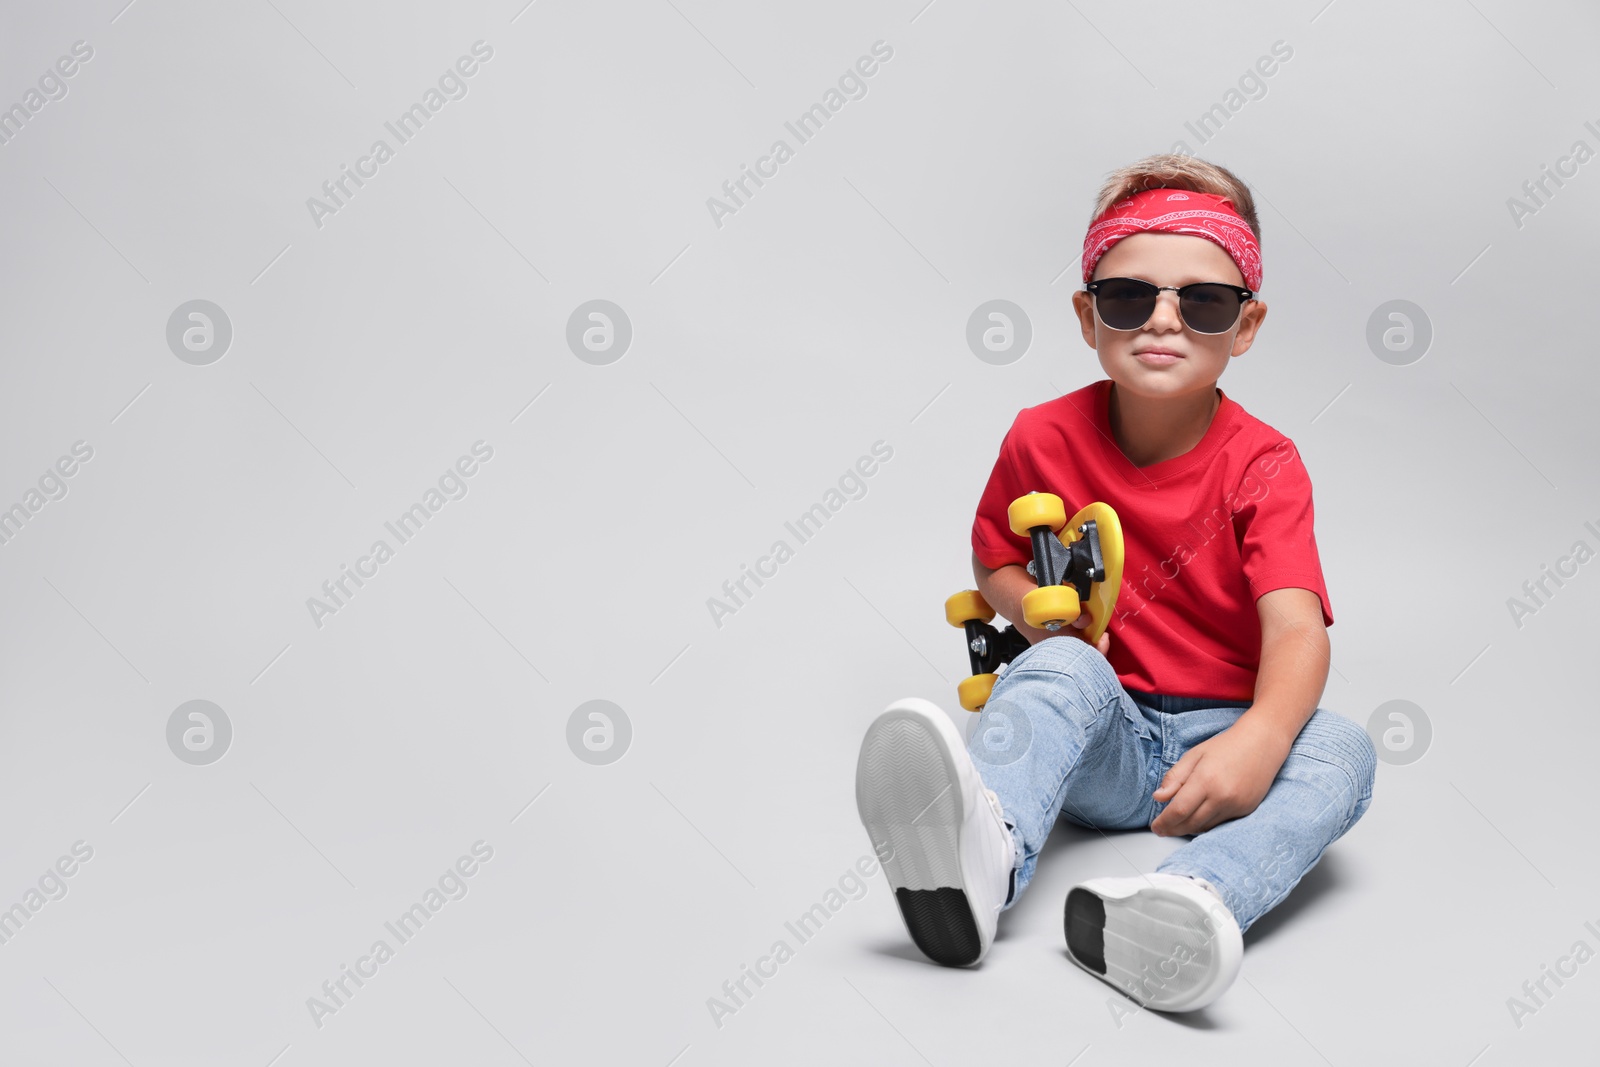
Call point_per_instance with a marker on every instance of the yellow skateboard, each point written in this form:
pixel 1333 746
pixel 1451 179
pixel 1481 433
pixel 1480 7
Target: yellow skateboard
pixel 1078 566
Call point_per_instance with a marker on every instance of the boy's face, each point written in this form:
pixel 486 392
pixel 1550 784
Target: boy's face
pixel 1167 259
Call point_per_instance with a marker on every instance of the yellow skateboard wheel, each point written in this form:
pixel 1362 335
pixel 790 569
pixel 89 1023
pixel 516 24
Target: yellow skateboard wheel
pixel 1036 509
pixel 966 606
pixel 974 691
pixel 1051 603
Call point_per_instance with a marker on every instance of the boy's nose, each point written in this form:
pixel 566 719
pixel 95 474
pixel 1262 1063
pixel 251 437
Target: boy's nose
pixel 1166 316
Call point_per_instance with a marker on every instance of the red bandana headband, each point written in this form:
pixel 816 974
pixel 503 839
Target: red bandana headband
pixel 1176 211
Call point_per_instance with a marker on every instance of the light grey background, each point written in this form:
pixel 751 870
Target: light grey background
pixel 768 354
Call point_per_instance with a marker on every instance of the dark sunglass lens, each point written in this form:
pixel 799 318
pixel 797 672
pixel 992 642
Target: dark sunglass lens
pixel 1209 308
pixel 1125 304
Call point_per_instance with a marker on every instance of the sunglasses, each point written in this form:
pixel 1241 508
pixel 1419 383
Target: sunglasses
pixel 1206 307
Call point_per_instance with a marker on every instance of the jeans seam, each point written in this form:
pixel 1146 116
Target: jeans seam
pixel 1061 786
pixel 1354 791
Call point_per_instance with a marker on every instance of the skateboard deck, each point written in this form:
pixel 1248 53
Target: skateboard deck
pixel 1078 565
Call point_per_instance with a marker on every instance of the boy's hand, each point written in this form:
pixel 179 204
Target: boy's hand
pixel 1081 622
pixel 1219 779
pixel 1034 636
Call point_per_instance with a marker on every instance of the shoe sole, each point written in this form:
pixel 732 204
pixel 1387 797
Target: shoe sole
pixel 909 796
pixel 1166 945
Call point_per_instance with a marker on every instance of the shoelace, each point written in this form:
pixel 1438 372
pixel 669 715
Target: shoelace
pixel 1000 815
pixel 994 802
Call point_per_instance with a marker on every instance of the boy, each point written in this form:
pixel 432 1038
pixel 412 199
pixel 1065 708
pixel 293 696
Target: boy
pixel 1195 714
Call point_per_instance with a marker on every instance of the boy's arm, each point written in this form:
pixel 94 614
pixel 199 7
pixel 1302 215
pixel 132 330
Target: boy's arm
pixel 1004 588
pixel 1294 663
pixel 1227 776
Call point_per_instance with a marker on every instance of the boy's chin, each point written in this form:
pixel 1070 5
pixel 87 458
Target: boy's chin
pixel 1134 377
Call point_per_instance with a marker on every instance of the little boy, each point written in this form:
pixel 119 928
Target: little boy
pixel 1195 714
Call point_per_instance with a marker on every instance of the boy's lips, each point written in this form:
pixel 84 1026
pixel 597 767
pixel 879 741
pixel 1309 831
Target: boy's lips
pixel 1158 357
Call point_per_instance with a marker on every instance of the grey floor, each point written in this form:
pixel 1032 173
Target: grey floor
pixel 221 385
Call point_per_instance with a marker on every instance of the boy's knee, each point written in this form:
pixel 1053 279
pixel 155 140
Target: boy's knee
pixel 1062 654
pixel 1335 739
pixel 1072 657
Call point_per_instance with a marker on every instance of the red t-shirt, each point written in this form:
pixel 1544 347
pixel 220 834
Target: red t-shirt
pixel 1205 534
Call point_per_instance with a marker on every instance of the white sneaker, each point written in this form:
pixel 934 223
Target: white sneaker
pixel 1165 940
pixel 949 853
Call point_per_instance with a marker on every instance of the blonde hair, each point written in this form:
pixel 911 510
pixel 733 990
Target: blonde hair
pixel 1170 171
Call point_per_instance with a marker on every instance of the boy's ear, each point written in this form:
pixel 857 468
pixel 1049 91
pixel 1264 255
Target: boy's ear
pixel 1084 306
pixel 1251 318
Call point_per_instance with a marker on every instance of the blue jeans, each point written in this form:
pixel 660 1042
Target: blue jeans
pixel 1061 737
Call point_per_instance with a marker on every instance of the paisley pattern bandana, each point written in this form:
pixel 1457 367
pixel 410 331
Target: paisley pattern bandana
pixel 1176 211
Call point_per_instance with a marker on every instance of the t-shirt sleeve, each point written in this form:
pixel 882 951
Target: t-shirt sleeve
pixel 992 540
pixel 1274 523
